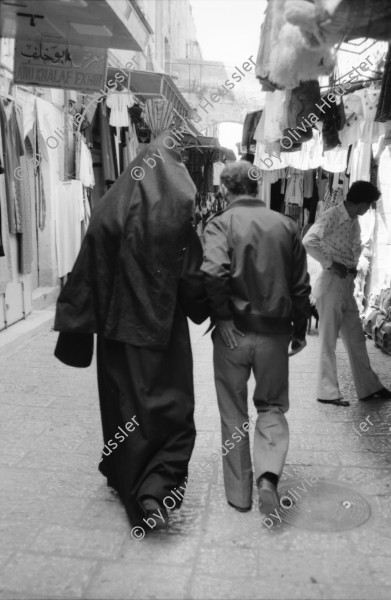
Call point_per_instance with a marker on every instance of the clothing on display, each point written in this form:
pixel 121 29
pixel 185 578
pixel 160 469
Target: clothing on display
pixel 13 150
pixel 217 168
pixel 69 211
pixel 119 103
pixel 383 111
pixel 294 193
pixel 110 170
pixel 249 127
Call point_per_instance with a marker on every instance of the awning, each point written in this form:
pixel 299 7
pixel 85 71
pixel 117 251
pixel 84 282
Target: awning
pixel 94 23
pixel 146 84
pixel 200 141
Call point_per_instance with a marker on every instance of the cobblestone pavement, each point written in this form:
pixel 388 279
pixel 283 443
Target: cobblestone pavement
pixel 64 534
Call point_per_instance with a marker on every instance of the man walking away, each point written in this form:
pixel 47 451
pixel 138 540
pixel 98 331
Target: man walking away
pixel 258 287
pixel 335 241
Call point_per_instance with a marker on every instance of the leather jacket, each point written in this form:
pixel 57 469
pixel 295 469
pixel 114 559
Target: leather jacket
pixel 255 269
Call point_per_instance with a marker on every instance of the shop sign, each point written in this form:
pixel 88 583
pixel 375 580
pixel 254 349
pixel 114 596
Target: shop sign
pixel 48 64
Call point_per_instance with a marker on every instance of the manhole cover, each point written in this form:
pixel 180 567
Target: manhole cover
pixel 321 506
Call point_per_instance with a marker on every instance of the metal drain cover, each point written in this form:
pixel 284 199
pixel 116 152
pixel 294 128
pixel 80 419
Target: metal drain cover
pixel 321 506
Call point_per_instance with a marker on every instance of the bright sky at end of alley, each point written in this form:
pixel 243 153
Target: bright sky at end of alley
pixel 227 30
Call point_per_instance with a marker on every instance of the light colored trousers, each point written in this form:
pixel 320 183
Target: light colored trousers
pixel 338 313
pixel 267 356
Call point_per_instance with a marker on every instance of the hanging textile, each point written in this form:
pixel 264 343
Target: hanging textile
pixel 25 239
pixel 210 156
pixel 131 142
pixel 86 169
pixel 249 127
pixel 294 190
pixel 217 168
pixel 110 172
pixel 69 211
pixel 383 112
pixel 158 115
pixel 370 129
pixel 5 258
pixel 119 103
pixel 13 146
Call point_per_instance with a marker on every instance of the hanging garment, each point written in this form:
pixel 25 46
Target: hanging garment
pixel 119 102
pixel 309 156
pixel 13 150
pixel 370 129
pixel 383 111
pixel 308 184
pixel 294 189
pixel 217 168
pixel 359 166
pixel 351 132
pixel 131 142
pixel 207 180
pixel 324 23
pixel 69 213
pixel 269 161
pixel 5 260
pixel 273 119
pixel 158 115
pixel 25 239
pixel 269 32
pixel 334 160
pixel 110 172
pixel 302 103
pixel 86 170
pixel 249 127
pixel 382 258
pixel 283 59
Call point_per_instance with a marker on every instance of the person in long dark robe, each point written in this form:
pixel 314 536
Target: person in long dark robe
pixel 136 279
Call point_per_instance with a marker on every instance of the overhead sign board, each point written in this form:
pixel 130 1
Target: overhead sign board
pixel 43 63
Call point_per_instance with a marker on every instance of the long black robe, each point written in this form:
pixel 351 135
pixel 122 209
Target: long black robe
pixel 134 282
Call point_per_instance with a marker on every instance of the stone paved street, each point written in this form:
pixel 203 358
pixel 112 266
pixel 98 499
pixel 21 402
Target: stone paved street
pixel 64 534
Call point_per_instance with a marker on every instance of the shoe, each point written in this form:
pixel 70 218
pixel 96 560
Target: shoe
pixel 382 394
pixel 154 510
pixel 268 496
pixel 336 401
pixel 239 508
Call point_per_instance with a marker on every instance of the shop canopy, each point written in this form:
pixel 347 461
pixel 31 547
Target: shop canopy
pixel 200 141
pixel 146 84
pixel 95 23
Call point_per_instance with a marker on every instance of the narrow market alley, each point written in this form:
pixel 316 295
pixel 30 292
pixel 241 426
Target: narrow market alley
pixel 64 533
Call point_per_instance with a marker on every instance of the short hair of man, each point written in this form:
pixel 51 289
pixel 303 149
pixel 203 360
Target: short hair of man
pixel 236 179
pixel 362 191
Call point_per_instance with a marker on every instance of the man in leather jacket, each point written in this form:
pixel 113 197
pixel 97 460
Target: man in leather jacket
pixel 256 278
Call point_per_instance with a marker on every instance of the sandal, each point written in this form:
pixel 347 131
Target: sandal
pixel 337 402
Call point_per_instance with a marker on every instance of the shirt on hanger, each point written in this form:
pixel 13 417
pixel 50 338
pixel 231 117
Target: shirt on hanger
pixel 119 102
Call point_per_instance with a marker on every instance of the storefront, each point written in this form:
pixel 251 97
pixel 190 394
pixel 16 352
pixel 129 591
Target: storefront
pixel 52 62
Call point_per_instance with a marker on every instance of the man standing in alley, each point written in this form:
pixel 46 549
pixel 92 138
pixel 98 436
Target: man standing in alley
pixel 335 241
pixel 256 279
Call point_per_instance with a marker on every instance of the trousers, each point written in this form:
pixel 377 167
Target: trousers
pixel 267 357
pixel 338 313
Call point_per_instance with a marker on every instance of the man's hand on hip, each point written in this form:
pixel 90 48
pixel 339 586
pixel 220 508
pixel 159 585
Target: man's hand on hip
pixel 339 268
pixel 228 331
